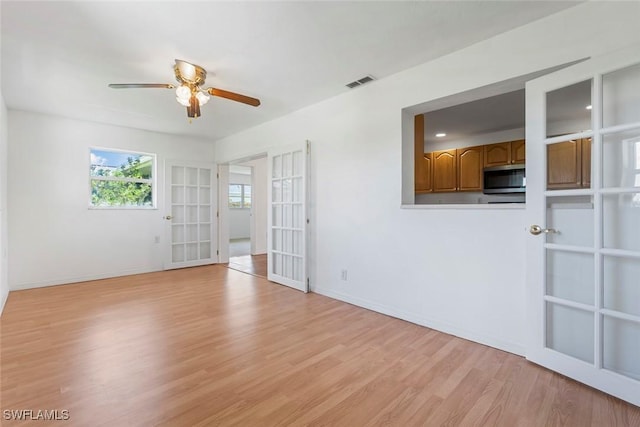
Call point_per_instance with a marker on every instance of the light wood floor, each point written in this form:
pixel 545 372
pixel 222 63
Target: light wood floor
pixel 251 264
pixel 211 346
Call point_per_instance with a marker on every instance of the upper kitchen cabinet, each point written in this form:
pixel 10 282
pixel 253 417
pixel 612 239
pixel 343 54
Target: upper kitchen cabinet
pixel 504 153
pixel 469 165
pixel 445 171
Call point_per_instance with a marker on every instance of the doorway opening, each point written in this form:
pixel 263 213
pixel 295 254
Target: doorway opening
pixel 244 215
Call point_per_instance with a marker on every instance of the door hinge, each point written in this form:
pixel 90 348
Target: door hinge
pixel 218 252
pixel 308 149
pixel 307 220
pixel 307 282
pixel 217 175
pixel 217 214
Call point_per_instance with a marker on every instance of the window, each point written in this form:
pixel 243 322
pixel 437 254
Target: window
pixel 239 196
pixel 121 179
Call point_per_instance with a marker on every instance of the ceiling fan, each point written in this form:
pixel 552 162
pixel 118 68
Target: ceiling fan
pixel 189 92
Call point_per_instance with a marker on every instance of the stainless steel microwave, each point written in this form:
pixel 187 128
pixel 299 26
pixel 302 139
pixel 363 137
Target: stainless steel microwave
pixel 504 179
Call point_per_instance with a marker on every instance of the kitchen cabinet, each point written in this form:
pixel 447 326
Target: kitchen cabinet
pixel 445 171
pixel 469 165
pixel 569 164
pixel 518 151
pixel 504 153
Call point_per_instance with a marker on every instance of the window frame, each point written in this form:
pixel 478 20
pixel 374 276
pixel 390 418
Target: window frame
pixel 153 181
pixel 242 196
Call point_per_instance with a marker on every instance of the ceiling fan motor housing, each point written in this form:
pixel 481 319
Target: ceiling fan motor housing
pixel 190 74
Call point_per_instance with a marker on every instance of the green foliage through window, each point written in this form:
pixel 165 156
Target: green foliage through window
pixel 121 179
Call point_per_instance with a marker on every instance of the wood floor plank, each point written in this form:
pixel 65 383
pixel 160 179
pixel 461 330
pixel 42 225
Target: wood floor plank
pixel 211 346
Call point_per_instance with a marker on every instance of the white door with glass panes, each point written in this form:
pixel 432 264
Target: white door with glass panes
pixel 287 216
pixel 583 211
pixel 190 214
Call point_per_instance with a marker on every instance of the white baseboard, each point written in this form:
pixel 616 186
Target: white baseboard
pixel 422 320
pixel 77 279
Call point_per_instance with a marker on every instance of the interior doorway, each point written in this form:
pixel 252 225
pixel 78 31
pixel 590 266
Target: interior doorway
pixel 244 215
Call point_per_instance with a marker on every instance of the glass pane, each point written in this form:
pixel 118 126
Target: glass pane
pixel 287 221
pixel 192 251
pixel 298 221
pixel 120 194
pixel 620 101
pixel 276 191
pixel 177 233
pixel 572 216
pixel 622 347
pixel 277 264
pixel 205 232
pixel 192 233
pixel 177 195
pixel 569 109
pixel 621 159
pixel 192 195
pixel 121 164
pixel 297 269
pixel 287 266
pixel 277 240
pixel 191 176
pixel 621 221
pixel 287 168
pixel 205 195
pixel 205 178
pixel 177 175
pixel 276 171
pixel 277 216
pixel 192 214
pixel 297 163
pixel 570 331
pixel 205 250
pixel 564 165
pixel 205 213
pixel 287 244
pixel 622 284
pixel 297 243
pixel 297 189
pixel 286 190
pixel 570 276
pixel 177 214
pixel 177 253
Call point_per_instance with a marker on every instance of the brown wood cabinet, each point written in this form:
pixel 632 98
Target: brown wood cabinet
pixel 469 164
pixel 504 153
pixel 422 166
pixel 518 151
pixel 458 169
pixel 569 164
pixel 445 171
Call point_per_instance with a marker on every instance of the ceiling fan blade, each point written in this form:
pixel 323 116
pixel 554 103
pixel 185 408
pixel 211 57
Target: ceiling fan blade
pixel 233 96
pixel 141 85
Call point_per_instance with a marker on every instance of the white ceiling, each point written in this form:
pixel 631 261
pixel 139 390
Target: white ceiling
pixel 58 57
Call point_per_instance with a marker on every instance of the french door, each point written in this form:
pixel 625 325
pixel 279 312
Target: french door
pixel 287 216
pixel 190 214
pixel 583 208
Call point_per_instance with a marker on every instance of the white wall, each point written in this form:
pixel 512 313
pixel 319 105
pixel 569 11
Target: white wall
pixel 239 219
pixel 4 265
pixel 457 270
pixel 53 237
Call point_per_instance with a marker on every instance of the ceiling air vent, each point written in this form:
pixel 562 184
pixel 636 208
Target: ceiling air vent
pixel 360 82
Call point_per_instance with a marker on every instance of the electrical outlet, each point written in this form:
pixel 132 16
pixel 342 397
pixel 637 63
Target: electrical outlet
pixel 343 275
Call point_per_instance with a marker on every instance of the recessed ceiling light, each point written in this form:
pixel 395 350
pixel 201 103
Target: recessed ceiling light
pixel 441 135
pixel 589 107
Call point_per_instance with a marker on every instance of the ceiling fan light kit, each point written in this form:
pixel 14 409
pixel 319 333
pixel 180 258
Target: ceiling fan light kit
pixel 189 93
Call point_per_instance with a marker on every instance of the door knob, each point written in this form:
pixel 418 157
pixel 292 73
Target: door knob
pixel 168 217
pixel 536 229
